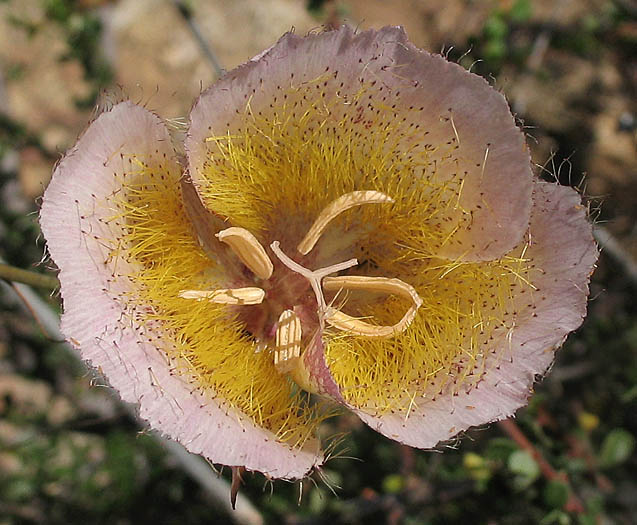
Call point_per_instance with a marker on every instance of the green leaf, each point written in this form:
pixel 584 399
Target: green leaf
pixel 556 494
pixel 521 11
pixel 524 467
pixel 521 462
pixel 556 516
pixel 495 50
pixel 393 484
pixel 318 501
pixel 500 448
pixel 477 468
pixel 495 28
pixel 587 519
pixel 617 447
pixel 471 460
pixel 629 395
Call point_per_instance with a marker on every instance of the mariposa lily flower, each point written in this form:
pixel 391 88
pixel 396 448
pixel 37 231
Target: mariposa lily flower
pixel 353 220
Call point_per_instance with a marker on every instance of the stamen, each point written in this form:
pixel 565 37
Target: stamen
pixel 355 326
pixel 373 284
pixel 249 250
pixel 250 295
pixel 288 342
pixel 336 207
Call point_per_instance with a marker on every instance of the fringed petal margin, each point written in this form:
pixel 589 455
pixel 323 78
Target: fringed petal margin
pixel 399 108
pixel 82 231
pixel 561 249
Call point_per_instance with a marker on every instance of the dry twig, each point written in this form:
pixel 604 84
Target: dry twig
pixel 509 426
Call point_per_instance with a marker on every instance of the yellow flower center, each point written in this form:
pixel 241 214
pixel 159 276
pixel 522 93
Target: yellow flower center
pixel 289 327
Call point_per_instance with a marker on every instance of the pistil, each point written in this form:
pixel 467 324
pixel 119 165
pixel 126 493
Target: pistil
pixel 313 276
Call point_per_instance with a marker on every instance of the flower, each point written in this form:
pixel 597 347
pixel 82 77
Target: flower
pixel 353 218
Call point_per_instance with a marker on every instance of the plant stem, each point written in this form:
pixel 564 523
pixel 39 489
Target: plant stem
pixel 509 426
pixel 186 12
pixel 13 274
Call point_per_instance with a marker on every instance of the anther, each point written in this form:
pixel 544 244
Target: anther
pixel 288 342
pixel 249 250
pixel 350 324
pixel 335 208
pixel 239 296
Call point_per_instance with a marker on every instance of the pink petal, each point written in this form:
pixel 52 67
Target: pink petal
pixel 444 100
pixel 320 378
pixel 563 247
pixel 74 222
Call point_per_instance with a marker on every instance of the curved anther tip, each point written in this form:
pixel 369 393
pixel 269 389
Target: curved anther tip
pixel 246 246
pixel 356 326
pixel 335 208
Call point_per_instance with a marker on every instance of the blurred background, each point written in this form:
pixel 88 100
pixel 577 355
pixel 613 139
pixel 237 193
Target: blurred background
pixel 70 452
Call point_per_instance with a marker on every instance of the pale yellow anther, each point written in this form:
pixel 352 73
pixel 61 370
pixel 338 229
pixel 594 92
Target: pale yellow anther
pixel 238 296
pixel 288 342
pixel 373 284
pixel 355 326
pixel 249 250
pixel 336 207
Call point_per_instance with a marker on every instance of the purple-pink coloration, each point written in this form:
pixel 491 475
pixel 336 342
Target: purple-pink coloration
pixel 500 206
